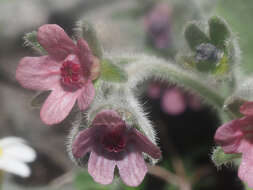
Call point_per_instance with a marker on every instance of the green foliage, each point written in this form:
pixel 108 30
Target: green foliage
pixel 111 72
pixel 31 41
pixel 88 33
pixel 194 36
pixel 220 158
pixel 218 31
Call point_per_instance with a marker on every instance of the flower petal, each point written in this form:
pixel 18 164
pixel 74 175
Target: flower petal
pixel 247 108
pixel 173 102
pixel 38 73
pixel 86 96
pixel 107 118
pixel 14 166
pixel 245 171
pixel 132 168
pixel 58 105
pixel 9 141
pixel 101 168
pixel 229 135
pixel 145 145
pixel 82 143
pixel 20 152
pixel 55 41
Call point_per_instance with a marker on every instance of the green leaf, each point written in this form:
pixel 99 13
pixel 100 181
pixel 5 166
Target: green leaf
pixel 194 36
pixel 222 67
pixel 89 34
pixel 219 157
pixel 219 31
pixel 39 99
pixel 111 72
pixel 31 41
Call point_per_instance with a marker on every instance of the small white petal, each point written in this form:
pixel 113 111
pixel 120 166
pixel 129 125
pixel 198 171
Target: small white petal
pixel 15 167
pixel 7 141
pixel 20 152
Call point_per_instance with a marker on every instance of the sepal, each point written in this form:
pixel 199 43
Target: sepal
pixel 219 157
pixel 86 31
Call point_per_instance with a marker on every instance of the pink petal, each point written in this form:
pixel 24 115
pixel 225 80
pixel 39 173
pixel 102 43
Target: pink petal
pixel 229 136
pixel 132 168
pixel 58 105
pixel 82 143
pixel 245 171
pixel 107 118
pixel 145 145
pixel 86 96
pixel 85 54
pixel 38 73
pixel 173 102
pixel 101 168
pixel 55 41
pixel 247 108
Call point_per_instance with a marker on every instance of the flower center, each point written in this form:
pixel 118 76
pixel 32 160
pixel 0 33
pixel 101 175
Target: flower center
pixel 114 141
pixel 71 71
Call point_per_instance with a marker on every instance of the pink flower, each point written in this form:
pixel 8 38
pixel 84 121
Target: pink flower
pixel 236 136
pixel 113 143
pixel 158 25
pixel 173 101
pixel 67 71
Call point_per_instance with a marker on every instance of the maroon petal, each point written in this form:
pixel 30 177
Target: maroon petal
pixel 58 105
pixel 101 168
pixel 245 171
pixel 85 54
pixel 229 135
pixel 107 118
pixel 82 143
pixel 86 96
pixel 132 168
pixel 38 73
pixel 247 108
pixel 55 41
pixel 145 145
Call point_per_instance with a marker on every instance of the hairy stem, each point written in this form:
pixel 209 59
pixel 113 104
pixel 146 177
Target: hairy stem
pixel 169 177
pixel 148 67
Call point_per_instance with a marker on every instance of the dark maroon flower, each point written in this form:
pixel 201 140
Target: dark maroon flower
pixel 113 143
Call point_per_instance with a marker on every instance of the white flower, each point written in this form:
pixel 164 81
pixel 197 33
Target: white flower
pixel 14 156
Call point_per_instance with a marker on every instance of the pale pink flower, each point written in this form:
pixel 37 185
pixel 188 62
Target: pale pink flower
pixel 113 143
pixel 158 25
pixel 67 71
pixel 236 136
pixel 173 101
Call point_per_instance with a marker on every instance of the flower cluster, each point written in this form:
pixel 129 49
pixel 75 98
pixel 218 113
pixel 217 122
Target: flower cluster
pixel 68 71
pixel 174 101
pixel 236 136
pixel 114 143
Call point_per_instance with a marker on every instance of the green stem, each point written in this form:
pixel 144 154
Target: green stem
pixel 148 67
